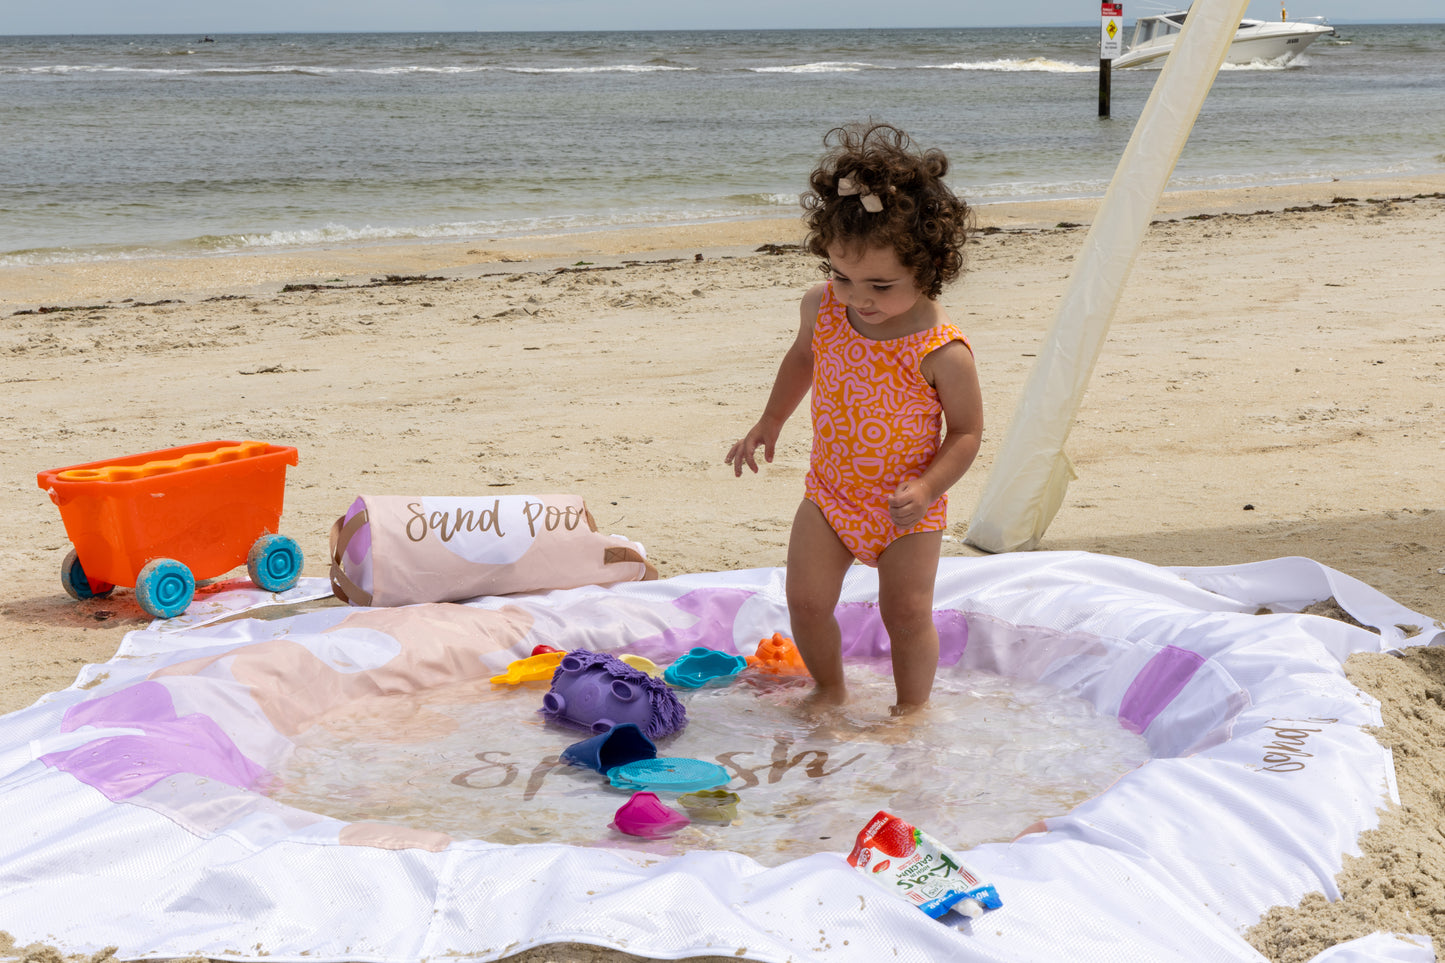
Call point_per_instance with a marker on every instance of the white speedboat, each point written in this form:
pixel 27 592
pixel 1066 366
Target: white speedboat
pixel 1265 41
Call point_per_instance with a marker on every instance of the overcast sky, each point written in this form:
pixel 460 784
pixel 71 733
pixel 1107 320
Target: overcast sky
pixel 274 16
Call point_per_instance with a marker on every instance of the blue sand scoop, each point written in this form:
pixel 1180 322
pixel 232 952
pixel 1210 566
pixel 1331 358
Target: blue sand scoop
pixel 618 746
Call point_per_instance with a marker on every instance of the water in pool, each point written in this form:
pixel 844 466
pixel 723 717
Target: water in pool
pixel 477 761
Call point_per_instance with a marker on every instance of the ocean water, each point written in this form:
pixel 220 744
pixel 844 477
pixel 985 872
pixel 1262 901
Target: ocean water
pixel 120 146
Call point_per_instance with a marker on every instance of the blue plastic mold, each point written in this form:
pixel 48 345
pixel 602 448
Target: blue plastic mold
pixel 701 666
pixel 668 774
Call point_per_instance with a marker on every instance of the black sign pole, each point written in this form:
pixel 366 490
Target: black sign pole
pixel 1104 67
pixel 1109 43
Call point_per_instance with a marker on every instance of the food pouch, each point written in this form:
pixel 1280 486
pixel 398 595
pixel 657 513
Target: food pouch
pixel 919 868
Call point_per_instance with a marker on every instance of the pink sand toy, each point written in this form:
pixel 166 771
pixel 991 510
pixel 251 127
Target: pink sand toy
pixel 644 815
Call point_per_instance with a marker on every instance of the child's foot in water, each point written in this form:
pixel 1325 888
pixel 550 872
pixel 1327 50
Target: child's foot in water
pixel 899 727
pixel 822 704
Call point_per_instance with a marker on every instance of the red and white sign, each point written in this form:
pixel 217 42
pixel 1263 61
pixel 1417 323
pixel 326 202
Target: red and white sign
pixel 1111 36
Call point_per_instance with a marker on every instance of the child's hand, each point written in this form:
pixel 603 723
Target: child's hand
pixel 909 503
pixel 745 451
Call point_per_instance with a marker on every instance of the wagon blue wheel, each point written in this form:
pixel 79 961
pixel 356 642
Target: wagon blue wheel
pixel 77 584
pixel 164 588
pixel 274 562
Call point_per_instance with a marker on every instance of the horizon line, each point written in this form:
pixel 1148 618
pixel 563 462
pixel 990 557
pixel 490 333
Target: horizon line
pixel 1078 24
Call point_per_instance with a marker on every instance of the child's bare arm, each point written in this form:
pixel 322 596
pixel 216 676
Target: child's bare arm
pixel 954 377
pixel 794 379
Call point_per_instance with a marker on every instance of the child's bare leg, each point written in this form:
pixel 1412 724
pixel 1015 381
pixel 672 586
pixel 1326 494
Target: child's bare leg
pixel 906 572
pixel 817 562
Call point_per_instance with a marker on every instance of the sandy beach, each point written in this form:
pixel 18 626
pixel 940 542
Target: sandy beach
pixel 1271 387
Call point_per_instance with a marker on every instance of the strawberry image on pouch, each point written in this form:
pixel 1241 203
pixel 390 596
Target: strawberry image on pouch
pixel 895 837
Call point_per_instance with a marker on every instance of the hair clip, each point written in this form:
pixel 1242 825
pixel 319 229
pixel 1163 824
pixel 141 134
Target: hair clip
pixel 847 187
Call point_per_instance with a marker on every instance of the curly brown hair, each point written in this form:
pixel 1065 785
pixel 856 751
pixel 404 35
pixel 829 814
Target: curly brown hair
pixel 921 219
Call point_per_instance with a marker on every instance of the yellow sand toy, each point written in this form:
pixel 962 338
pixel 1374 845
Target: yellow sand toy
pixel 642 664
pixel 534 668
pixel 539 668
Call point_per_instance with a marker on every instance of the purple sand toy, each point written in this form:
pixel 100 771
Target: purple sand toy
pixel 618 746
pixel 645 815
pixel 595 691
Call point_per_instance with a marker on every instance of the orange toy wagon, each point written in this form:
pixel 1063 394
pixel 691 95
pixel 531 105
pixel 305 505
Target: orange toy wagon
pixel 160 520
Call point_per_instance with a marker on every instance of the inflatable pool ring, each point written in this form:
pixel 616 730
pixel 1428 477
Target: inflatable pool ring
pixel 169 750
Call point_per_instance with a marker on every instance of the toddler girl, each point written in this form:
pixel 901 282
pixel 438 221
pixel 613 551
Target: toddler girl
pixel 887 370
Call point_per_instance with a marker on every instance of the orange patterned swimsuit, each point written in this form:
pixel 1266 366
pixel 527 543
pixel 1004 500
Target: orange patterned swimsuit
pixel 876 424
